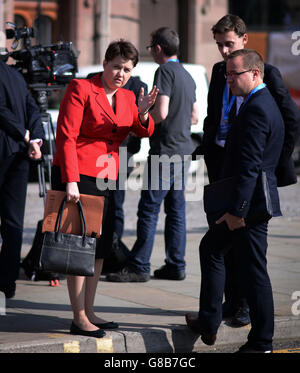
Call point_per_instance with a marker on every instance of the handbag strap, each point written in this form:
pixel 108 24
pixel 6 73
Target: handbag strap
pixel 60 214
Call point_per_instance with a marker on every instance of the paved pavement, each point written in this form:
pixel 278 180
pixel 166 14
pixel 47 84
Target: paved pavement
pixel 151 314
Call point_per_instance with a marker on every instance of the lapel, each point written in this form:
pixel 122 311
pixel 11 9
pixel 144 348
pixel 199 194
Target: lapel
pixel 222 80
pixel 121 104
pixel 103 102
pixel 221 72
pixel 243 106
pixel 220 86
pixel 238 121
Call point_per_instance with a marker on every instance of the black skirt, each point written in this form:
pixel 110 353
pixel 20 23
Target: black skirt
pixel 87 185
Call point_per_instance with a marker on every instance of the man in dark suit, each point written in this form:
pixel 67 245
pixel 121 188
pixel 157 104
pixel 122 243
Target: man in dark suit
pixel 21 135
pixel 230 35
pixel 253 147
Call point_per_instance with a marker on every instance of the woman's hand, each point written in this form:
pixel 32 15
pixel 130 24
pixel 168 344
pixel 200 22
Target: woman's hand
pixel 146 102
pixel 72 192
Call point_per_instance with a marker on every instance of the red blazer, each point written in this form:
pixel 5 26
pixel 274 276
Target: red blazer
pixel 89 132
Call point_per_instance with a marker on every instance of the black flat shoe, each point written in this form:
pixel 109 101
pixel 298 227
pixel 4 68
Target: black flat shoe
pixel 93 333
pixel 107 325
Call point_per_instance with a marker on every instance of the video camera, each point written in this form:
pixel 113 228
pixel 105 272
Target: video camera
pixel 51 64
pixel 45 69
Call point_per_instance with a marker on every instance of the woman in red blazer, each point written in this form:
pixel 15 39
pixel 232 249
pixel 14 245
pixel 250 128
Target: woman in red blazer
pixel 95 116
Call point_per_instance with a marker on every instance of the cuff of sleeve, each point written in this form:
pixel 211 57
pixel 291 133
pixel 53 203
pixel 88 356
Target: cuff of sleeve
pixel 40 141
pixel 237 213
pixel 146 124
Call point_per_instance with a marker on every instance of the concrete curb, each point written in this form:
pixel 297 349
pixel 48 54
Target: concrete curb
pixel 159 340
pixel 151 315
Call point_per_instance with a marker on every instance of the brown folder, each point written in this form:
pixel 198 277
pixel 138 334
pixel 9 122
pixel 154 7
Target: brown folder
pixel 92 208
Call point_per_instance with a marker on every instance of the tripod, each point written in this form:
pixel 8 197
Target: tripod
pixel 41 92
pixel 48 150
pixel 31 263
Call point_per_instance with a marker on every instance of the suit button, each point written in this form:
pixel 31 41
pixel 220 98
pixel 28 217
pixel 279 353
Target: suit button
pixel 114 130
pixel 110 142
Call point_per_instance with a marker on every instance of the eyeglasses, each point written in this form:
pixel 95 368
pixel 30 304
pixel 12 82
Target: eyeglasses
pixel 234 74
pixel 149 47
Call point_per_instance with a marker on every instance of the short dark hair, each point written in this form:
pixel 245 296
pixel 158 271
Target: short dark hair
pixel 168 39
pixel 124 49
pixel 230 22
pixel 251 59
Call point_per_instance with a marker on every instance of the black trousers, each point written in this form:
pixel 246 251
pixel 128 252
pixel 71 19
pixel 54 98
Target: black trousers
pixel 253 279
pixel 214 161
pixel 233 293
pixel 14 172
pixel 234 296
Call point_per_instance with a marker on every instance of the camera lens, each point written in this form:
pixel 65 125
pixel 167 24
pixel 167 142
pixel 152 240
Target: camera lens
pixel 10 33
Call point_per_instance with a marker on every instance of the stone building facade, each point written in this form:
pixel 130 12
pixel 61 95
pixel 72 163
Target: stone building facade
pixel 92 24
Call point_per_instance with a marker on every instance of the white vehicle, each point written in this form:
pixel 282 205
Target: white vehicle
pixel 146 71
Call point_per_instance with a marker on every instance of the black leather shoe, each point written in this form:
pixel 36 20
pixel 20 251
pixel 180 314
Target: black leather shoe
pixel 242 317
pixel 87 333
pixel 127 275
pixel 194 324
pixel 228 310
pixel 246 348
pixel 9 291
pixel 165 273
pixel 107 325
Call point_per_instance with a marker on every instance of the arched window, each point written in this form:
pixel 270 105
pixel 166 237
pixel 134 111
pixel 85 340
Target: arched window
pixel 43 30
pixel 19 21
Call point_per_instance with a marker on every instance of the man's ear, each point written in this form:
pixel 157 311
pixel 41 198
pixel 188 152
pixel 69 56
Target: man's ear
pixel 256 73
pixel 157 48
pixel 245 39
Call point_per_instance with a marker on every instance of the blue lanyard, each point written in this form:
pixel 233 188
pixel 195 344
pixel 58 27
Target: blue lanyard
pixel 173 60
pixel 227 105
pixel 261 86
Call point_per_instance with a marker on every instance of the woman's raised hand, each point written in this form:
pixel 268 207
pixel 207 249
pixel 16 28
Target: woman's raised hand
pixel 146 102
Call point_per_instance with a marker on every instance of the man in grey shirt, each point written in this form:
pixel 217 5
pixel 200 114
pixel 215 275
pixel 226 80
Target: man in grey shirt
pixel 174 112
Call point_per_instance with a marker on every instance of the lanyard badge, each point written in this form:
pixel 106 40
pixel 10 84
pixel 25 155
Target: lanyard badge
pixel 227 105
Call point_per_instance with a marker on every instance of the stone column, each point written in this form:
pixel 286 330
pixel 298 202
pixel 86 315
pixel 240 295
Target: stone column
pixel 104 27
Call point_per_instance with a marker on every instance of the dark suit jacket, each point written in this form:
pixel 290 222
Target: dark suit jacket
pixel 254 144
pixel 18 112
pixel 285 170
